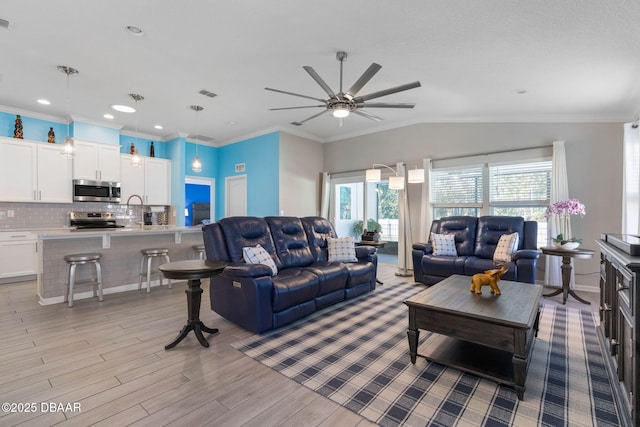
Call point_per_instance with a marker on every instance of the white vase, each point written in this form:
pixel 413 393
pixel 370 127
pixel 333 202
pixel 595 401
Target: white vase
pixel 569 246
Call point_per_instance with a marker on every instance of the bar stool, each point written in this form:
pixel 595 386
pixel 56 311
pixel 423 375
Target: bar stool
pixel 199 250
pixel 96 279
pixel 148 255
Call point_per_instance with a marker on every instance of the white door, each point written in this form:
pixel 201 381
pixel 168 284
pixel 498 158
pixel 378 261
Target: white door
pixel 235 196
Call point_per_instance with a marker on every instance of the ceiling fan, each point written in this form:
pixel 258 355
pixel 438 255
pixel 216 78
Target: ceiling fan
pixel 343 103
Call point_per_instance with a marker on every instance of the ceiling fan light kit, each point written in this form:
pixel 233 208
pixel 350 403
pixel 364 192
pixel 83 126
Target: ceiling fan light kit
pixel 341 104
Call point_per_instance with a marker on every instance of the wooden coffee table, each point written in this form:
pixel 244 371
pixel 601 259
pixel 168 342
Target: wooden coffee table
pixel 485 335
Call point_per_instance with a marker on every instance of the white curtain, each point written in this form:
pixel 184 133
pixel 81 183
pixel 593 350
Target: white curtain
pixel 404 226
pixel 325 194
pixel 631 179
pixel 559 191
pixel 426 213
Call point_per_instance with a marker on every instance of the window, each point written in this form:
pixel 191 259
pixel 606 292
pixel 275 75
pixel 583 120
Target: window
pixel 510 189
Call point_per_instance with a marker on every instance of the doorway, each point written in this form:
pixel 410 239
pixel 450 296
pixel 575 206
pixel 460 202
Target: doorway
pixel 235 195
pixel 199 201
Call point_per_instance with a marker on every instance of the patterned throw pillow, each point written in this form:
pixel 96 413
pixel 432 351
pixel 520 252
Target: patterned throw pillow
pixel 341 249
pixel 507 245
pixel 259 255
pixel 444 244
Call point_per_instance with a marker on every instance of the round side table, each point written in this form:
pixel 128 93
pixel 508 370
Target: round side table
pixel 192 271
pixel 566 269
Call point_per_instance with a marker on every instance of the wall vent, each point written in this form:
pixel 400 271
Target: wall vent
pixel 240 167
pixel 6 24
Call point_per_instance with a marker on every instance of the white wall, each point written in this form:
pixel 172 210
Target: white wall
pixel 301 163
pixel 594 163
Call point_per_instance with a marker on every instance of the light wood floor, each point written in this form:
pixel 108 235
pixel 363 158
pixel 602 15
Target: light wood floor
pixel 109 359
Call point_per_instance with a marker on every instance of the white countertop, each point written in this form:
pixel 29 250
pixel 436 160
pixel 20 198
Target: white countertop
pixel 72 232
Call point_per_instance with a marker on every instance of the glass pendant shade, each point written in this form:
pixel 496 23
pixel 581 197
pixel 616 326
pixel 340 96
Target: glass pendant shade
pixel 136 160
pixel 396 183
pixel 372 175
pixel 69 148
pixel 416 176
pixel 196 166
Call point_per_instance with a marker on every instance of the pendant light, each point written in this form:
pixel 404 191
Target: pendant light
pixel 69 148
pixel 196 166
pixel 135 157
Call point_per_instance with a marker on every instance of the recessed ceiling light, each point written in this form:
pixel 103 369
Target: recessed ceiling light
pixel 108 116
pixel 231 123
pixel 136 31
pixel 44 102
pixel 158 127
pixel 123 108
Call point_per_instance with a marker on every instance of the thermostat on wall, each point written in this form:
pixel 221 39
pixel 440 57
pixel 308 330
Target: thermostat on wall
pixel 240 167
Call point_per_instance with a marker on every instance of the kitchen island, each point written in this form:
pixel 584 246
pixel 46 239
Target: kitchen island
pixel 120 249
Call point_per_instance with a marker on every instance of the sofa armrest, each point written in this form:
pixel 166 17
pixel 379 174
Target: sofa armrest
pixel 365 251
pixel 241 269
pixel 525 254
pixel 424 247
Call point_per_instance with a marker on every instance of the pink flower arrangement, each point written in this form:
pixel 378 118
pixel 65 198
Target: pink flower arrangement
pixel 565 208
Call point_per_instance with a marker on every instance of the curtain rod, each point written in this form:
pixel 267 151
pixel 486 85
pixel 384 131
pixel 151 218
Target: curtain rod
pixel 360 170
pixel 493 152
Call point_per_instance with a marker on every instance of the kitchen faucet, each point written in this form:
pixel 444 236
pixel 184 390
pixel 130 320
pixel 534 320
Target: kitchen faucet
pixel 141 208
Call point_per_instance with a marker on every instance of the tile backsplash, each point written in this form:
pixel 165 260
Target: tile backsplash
pixel 50 215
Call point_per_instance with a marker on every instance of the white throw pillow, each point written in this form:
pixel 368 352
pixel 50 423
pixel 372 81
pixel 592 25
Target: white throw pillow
pixel 444 244
pixel 507 245
pixel 341 249
pixel 259 255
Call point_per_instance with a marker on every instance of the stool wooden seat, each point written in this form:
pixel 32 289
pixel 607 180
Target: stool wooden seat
pixel 73 261
pixel 147 257
pixel 199 250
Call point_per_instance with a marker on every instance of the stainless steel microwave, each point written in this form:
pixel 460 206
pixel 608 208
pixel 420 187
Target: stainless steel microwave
pixel 96 191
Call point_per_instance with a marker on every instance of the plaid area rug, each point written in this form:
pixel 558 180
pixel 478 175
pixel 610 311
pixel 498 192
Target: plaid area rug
pixel 357 355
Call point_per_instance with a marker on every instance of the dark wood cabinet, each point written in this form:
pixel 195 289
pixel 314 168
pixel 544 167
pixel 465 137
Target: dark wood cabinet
pixel 619 274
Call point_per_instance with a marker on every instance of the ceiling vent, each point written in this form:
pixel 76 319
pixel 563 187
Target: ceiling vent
pixel 203 138
pixel 6 24
pixel 207 93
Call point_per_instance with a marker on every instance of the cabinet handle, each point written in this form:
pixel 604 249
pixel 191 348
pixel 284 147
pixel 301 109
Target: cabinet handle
pixel 39 194
pixel 35 197
pixel 18 235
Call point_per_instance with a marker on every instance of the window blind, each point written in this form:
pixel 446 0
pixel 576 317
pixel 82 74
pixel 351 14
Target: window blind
pixel 520 184
pixel 457 186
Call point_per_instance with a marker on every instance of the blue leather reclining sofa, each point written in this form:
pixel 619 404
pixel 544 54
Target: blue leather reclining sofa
pixel 248 294
pixel 476 240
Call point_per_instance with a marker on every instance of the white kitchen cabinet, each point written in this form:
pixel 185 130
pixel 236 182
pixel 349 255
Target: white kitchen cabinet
pixel 18 251
pixel 95 161
pixel 151 180
pixel 54 175
pixel 34 172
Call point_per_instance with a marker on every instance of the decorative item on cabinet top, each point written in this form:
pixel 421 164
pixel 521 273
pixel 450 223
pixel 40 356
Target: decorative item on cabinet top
pixel 17 129
pixel 51 136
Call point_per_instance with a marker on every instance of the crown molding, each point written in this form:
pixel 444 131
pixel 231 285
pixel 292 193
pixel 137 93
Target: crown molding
pixel 32 114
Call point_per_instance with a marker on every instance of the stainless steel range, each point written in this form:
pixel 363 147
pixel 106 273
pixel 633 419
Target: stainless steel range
pixel 84 220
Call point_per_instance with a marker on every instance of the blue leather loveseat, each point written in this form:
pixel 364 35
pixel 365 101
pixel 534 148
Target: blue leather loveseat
pixel 476 240
pixel 250 296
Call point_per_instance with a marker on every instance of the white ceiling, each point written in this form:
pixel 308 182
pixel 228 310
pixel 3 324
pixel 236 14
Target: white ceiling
pixel 576 60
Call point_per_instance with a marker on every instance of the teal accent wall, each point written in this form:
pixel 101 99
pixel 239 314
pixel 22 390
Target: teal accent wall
pixel 33 129
pixel 176 152
pixel 261 156
pixel 95 133
pixel 143 146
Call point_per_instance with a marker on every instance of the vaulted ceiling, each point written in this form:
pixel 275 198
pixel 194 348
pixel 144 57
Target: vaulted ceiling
pixel 477 60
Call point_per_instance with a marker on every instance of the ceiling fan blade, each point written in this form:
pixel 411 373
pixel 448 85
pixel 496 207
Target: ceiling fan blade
pixel 364 78
pixel 309 118
pixel 385 105
pixel 367 115
pixel 294 94
pixel 294 108
pixel 407 86
pixel 319 80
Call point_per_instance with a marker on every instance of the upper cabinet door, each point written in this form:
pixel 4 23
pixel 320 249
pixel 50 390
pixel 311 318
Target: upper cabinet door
pixel 18 171
pixel 100 162
pixel 109 162
pixel 85 162
pixel 157 181
pixel 54 175
pixel 131 178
